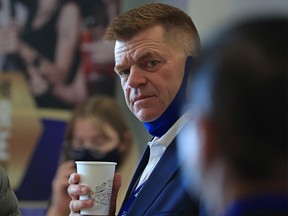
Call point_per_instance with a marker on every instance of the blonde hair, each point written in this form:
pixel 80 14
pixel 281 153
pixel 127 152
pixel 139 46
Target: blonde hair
pixel 99 109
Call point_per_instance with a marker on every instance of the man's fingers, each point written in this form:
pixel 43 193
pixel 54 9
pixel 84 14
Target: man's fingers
pixel 75 190
pixel 76 205
pixel 74 178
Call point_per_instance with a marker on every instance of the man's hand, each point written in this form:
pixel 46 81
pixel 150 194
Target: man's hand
pixel 75 190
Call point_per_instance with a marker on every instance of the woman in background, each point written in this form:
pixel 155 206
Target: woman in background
pixel 97 131
pixel 96 73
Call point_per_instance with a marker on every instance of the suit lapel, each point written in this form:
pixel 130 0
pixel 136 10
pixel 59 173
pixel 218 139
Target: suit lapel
pixel 141 166
pixel 158 179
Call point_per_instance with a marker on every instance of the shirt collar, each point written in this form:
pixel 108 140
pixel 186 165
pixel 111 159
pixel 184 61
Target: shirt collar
pixel 170 135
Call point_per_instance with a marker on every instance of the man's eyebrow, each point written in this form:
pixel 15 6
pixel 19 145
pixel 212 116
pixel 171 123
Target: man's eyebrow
pixel 138 58
pixel 145 55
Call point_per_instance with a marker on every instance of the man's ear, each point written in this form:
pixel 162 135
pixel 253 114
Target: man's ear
pixel 126 144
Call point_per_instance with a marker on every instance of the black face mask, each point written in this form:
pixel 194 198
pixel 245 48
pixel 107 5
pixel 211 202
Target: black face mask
pixel 90 155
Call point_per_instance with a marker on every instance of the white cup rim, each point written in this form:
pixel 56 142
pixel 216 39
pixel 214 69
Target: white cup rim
pixel 95 162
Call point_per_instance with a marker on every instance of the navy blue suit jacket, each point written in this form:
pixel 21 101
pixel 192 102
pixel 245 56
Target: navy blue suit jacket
pixel 163 192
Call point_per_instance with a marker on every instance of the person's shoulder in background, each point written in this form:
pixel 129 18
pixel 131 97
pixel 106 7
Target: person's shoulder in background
pixel 8 199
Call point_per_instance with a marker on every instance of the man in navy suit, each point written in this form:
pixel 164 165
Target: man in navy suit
pixel 154 46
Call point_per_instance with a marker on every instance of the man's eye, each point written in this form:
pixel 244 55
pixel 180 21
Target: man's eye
pixel 124 73
pixel 150 64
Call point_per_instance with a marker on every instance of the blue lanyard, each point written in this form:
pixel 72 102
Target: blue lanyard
pixel 127 204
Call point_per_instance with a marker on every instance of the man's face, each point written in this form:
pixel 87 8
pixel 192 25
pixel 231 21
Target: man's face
pixel 151 72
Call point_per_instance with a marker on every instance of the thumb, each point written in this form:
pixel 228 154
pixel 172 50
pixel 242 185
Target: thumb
pixel 116 186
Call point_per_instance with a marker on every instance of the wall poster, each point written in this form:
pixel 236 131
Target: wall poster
pixel 52 57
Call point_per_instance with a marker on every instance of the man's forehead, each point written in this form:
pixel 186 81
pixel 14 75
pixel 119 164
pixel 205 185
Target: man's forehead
pixel 137 57
pixel 119 47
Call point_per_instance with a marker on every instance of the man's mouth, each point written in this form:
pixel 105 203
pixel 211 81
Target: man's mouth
pixel 141 98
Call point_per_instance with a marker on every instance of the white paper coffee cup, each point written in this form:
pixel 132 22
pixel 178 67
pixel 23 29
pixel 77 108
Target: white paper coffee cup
pixel 98 176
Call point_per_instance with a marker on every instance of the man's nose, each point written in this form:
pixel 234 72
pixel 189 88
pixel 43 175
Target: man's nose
pixel 136 77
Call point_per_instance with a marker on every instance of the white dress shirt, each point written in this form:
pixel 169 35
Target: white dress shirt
pixel 159 145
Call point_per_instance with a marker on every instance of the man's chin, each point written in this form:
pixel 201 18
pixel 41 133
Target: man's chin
pixel 146 117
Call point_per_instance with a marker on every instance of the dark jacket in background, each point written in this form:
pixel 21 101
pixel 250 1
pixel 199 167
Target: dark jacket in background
pixel 8 200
